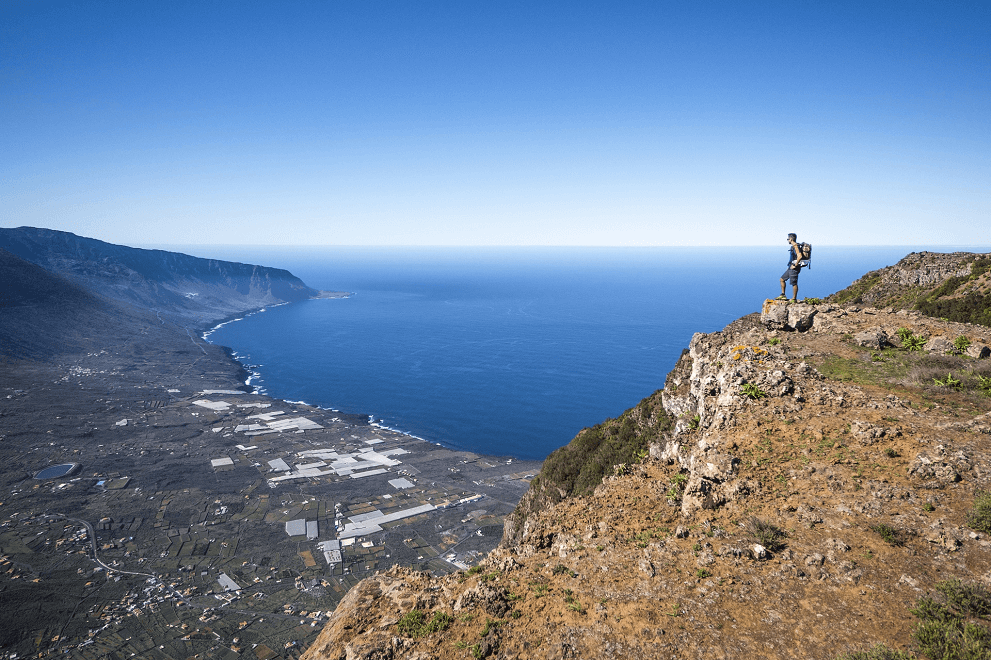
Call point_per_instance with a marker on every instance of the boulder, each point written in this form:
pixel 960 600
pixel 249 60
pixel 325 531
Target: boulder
pixel 940 345
pixel 875 338
pixel 782 315
pixel 774 314
pixel 979 351
pixel 700 494
pixel 801 316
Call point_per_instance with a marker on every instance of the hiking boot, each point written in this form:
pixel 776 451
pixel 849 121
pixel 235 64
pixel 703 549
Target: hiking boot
pixel 782 297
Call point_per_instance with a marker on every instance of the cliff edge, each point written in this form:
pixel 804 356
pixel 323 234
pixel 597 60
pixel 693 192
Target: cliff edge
pixel 809 483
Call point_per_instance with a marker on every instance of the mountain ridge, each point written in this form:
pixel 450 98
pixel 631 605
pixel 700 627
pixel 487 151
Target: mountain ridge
pixel 192 288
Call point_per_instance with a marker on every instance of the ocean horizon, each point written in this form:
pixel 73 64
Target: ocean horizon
pixel 505 351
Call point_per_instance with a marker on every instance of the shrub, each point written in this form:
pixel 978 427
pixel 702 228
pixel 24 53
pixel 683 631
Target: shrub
pixel 961 343
pixel 752 392
pixel 415 623
pixel 890 535
pixel 774 341
pixel 949 381
pixel 694 423
pixel 970 599
pixel 979 516
pixel 950 640
pixel 561 569
pixel 879 652
pixel 984 384
pixel 944 630
pixel 578 467
pixel 677 487
pixel 813 301
pixel 767 534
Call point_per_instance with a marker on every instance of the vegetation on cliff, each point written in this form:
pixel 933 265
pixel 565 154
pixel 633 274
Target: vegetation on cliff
pixel 955 287
pixel 578 467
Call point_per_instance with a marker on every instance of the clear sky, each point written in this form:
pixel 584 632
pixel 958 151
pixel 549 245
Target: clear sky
pixel 497 122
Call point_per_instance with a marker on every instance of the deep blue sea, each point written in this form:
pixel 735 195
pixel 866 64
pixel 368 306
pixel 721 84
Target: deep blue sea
pixel 505 351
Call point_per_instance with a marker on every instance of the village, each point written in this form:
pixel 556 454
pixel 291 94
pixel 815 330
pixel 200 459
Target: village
pixel 219 523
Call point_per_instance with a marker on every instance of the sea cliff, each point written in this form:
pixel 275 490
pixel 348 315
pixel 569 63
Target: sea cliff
pixel 808 483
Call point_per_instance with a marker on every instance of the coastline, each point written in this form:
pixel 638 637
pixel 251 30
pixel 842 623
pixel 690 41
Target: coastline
pixel 369 418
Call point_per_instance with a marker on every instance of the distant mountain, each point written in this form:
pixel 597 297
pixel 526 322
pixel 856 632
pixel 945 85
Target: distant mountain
pixel 195 289
pixel 42 313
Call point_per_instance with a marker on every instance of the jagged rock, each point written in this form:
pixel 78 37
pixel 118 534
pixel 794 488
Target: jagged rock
pixel 933 466
pixel 758 551
pixel 978 351
pixel 876 338
pixel 801 316
pixel 815 559
pixel 940 345
pixel 489 644
pixel 868 433
pixel 782 315
pixel 668 453
pixel 370 646
pixel 493 600
pixel 700 494
pixel 836 544
pixel 774 314
pixel 714 466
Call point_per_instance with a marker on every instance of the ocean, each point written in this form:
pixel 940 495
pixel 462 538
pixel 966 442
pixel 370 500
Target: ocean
pixel 504 351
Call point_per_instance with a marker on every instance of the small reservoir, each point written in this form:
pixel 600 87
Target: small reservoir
pixel 55 471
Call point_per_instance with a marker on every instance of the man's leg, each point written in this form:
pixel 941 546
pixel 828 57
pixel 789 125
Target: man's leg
pixel 783 281
pixel 794 291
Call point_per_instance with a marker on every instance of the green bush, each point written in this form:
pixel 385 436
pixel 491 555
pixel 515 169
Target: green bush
pixel 752 392
pixel 767 534
pixel 578 467
pixel 415 623
pixel 949 381
pixel 890 535
pixel 970 599
pixel 953 640
pixel 979 516
pixel 879 652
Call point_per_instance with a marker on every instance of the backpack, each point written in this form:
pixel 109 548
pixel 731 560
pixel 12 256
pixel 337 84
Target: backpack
pixel 805 254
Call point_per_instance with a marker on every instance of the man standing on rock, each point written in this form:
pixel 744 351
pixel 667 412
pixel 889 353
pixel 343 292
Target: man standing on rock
pixel 794 266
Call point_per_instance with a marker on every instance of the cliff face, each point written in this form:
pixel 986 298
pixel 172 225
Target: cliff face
pixel 189 287
pixel 822 472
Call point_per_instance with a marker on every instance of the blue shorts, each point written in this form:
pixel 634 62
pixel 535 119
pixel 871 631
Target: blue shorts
pixel 791 275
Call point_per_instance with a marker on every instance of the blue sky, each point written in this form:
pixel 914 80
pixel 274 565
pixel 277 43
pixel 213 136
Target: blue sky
pixel 497 123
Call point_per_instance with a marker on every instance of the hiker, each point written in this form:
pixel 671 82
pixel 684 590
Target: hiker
pixel 794 266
